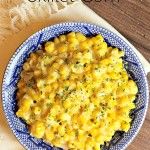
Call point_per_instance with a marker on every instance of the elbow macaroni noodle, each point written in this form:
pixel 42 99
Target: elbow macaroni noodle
pixel 75 92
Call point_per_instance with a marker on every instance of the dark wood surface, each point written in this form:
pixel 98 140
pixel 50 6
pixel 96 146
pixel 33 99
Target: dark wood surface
pixel 132 19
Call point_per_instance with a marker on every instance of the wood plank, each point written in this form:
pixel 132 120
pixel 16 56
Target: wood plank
pixel 132 20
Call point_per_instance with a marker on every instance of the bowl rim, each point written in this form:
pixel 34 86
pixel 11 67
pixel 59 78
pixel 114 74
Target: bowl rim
pixel 18 49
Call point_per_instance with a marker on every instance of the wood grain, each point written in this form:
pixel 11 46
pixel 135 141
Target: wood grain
pixel 132 19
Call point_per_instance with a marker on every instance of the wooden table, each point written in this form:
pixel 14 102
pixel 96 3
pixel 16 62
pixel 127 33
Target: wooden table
pixel 132 19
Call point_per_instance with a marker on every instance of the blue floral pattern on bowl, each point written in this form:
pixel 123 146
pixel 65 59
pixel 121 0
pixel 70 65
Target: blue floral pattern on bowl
pixel 12 74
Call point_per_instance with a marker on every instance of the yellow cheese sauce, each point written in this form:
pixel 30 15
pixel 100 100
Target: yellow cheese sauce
pixel 75 92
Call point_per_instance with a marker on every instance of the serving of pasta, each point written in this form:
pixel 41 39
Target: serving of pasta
pixel 75 93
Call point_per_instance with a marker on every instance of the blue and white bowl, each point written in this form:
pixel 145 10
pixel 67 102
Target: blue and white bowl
pixel 12 74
